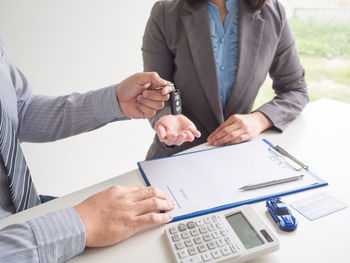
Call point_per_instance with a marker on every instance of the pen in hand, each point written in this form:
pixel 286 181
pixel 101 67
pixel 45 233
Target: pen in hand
pixel 272 182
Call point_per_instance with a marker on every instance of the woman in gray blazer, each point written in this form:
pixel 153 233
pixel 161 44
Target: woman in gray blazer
pixel 219 69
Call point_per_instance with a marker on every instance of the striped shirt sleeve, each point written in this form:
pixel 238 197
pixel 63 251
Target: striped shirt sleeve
pixel 55 237
pixel 47 118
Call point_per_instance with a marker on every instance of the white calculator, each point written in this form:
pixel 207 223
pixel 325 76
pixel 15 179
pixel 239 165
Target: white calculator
pixel 234 235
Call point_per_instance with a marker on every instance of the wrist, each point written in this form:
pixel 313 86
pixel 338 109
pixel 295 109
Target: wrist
pixel 83 217
pixel 263 121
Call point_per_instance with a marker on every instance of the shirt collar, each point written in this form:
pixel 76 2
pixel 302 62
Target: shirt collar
pixel 230 4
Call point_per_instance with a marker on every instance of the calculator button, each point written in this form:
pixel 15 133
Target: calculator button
pixel 199 222
pixel 211 227
pixel 220 242
pixel 202 248
pixel 176 237
pixel 173 230
pixel 206 257
pixel 208 220
pixel 180 245
pixel 194 232
pixel 228 240
pixel 190 225
pixel 218 225
pixel 214 218
pixel 192 259
pixel 211 245
pixel 189 242
pixel 207 237
pixel 216 253
pixel 215 234
pixel 198 240
pixel 185 235
pixel 183 253
pixel 182 227
pixel 225 251
pixel 233 249
pixel 193 251
pixel 203 229
pixel 223 232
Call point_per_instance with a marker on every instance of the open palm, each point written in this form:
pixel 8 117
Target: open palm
pixel 176 129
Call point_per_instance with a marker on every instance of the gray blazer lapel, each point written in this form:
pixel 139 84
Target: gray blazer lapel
pixel 251 27
pixel 197 29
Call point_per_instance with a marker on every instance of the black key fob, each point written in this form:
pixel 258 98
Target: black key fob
pixel 176 107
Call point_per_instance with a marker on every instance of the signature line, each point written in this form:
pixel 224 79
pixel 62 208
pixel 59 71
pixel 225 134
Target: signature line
pixel 173 196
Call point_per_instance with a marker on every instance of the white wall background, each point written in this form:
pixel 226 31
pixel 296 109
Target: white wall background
pixel 79 45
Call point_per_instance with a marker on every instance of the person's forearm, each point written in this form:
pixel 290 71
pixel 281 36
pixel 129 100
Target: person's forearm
pixel 55 237
pixel 45 118
pixel 285 107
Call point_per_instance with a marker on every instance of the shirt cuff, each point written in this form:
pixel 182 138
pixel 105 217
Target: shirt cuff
pixel 105 105
pixel 59 235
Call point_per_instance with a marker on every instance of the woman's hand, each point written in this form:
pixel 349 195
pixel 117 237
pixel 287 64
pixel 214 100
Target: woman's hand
pixel 239 128
pixel 176 129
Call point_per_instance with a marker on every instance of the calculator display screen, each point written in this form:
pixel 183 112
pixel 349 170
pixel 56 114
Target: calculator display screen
pixel 244 231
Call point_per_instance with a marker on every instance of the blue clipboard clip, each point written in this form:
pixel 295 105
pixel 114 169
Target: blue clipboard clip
pixel 287 157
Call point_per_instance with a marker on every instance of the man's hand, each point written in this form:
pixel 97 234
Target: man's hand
pixel 176 129
pixel 239 128
pixel 120 211
pixel 137 96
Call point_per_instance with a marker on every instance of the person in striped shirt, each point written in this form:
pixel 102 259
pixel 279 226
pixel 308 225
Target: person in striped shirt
pixel 103 219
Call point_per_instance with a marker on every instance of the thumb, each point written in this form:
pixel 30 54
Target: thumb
pixel 161 131
pixel 195 132
pixel 154 79
pixel 146 86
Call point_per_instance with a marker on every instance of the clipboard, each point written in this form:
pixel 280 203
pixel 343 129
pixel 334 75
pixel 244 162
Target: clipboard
pixel 208 180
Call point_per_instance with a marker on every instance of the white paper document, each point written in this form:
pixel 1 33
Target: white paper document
pixel 211 178
pixel 318 205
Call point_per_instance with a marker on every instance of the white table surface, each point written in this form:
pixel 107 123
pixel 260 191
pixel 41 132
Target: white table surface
pixel 320 137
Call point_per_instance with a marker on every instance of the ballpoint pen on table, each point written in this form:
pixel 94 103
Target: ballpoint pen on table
pixel 272 182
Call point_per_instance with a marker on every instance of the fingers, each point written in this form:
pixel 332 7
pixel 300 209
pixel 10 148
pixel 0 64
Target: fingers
pixel 152 78
pixel 176 130
pixel 189 136
pixel 153 204
pixel 154 219
pixel 178 138
pixel 231 137
pixel 156 95
pixel 167 90
pixel 195 132
pixel 161 131
pixel 146 111
pixel 148 192
pixel 241 138
pixel 152 104
pixel 175 139
pixel 150 199
pixel 227 127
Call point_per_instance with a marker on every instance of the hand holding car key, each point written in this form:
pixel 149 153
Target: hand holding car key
pixel 175 128
pixel 175 99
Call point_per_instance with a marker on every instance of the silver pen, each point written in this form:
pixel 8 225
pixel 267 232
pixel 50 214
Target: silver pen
pixel 272 182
